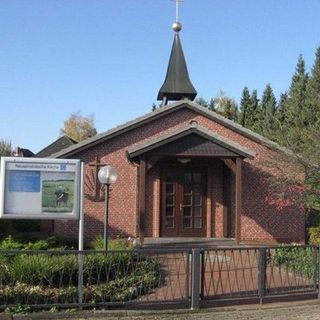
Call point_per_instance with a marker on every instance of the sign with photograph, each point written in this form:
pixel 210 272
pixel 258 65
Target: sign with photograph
pixel 34 188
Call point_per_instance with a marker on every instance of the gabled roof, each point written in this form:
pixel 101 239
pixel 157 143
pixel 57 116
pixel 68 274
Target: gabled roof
pixel 160 112
pixel 22 152
pixel 154 143
pixel 56 146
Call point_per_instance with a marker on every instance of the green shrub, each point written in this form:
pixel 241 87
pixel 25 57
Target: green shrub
pixel 10 243
pixel 25 294
pixel 40 245
pixel 312 218
pixel 300 260
pixel 119 244
pixel 102 267
pixel 56 270
pixel 53 277
pixel 122 288
pixel 314 235
pixel 53 270
pixel 53 242
pixel 46 278
pixel 4 269
pixel 18 309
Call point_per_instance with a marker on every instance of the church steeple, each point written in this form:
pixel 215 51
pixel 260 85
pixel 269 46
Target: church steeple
pixel 177 84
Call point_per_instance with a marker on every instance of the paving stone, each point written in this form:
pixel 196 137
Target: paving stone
pixel 308 311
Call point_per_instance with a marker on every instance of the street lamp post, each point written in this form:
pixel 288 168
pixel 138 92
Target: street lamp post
pixel 107 175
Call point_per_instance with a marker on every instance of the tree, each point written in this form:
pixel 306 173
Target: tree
pixel 282 108
pixel 78 127
pixel 5 148
pixel 211 105
pixel 299 130
pixel 268 110
pixel 254 113
pixel 156 106
pixel 296 113
pixel 225 106
pixel 202 102
pixel 292 114
pixel 313 92
pixel 245 107
pixel 206 104
pixel 311 137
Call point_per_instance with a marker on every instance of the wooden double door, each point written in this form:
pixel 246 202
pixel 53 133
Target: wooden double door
pixel 183 202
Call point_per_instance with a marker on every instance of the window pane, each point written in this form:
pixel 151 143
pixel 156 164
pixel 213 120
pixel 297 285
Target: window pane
pixel 197 178
pixel 197 223
pixel 169 211
pixel 169 223
pixel 169 188
pixel 168 178
pixel 187 188
pixel 197 211
pixel 187 222
pixel 187 211
pixel 187 200
pixel 169 199
pixel 196 200
pixel 187 177
pixel 197 188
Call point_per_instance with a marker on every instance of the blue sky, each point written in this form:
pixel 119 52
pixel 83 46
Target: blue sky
pixel 109 57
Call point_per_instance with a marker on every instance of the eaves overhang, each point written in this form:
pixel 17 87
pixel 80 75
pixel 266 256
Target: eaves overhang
pixel 160 112
pixel 167 138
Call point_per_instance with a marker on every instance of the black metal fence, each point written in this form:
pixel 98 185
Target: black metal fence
pixel 149 277
pixel 259 272
pixel 43 279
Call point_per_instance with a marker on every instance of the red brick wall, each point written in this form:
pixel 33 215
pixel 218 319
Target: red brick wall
pixel 264 216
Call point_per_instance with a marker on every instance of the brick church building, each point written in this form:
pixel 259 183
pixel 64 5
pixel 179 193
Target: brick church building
pixel 185 171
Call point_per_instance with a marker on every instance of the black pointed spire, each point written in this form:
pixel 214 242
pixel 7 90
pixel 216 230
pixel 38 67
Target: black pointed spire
pixel 177 84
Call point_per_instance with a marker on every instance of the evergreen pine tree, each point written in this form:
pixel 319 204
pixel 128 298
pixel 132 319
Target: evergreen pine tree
pixel 245 106
pixel 313 92
pixel 310 147
pixel 268 110
pixel 282 107
pixel 296 113
pixel 281 128
pixel 211 105
pixel 254 121
pixel 202 102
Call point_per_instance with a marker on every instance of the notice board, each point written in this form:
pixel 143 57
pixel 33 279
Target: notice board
pixel 33 188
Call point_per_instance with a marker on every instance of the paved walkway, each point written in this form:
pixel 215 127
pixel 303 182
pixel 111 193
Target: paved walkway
pixel 288 311
pixel 307 310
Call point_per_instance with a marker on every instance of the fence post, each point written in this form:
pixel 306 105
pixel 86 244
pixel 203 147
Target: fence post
pixel 195 279
pixel 262 273
pixel 80 278
pixel 318 255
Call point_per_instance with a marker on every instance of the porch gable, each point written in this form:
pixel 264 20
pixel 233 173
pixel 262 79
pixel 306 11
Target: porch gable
pixel 192 140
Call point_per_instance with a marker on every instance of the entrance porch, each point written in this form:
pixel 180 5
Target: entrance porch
pixel 190 185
